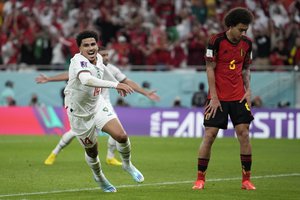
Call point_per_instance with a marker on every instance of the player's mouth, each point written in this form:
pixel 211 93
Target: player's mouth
pixel 92 55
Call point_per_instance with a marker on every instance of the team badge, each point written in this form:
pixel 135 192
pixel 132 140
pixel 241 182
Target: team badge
pixel 83 64
pixel 242 53
pixel 209 53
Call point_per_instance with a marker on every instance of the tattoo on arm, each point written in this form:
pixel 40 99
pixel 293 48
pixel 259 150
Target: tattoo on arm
pixel 246 78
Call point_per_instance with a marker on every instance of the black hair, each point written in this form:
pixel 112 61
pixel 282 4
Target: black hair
pixel 102 48
pixel 146 84
pixel 201 86
pixel 238 15
pixel 9 84
pixel 86 34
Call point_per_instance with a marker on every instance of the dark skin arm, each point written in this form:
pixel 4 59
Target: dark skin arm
pixel 214 104
pixel 246 79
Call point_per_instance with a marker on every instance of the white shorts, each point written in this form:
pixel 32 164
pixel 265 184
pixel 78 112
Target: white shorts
pixel 85 128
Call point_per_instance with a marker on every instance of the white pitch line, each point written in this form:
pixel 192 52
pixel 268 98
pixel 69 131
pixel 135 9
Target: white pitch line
pixel 147 184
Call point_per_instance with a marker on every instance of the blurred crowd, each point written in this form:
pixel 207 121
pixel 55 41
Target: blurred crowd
pixel 143 34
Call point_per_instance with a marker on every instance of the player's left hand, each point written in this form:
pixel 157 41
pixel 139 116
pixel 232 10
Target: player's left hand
pixel 153 96
pixel 247 96
pixel 42 78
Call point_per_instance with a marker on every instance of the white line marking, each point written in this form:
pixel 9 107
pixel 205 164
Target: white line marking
pixel 147 184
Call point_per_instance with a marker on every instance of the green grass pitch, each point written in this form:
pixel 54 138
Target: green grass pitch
pixel 168 164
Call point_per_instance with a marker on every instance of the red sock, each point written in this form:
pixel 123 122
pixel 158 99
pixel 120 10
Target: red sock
pixel 201 176
pixel 246 176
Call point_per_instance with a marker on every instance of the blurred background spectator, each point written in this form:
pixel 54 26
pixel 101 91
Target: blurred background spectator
pixel 283 104
pixel 34 101
pixel 144 34
pixel 257 102
pixel 8 94
pixel 199 98
pixel 121 102
pixel 143 101
pixel 177 102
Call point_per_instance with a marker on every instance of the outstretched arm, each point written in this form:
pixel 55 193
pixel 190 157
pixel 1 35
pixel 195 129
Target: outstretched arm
pixel 42 78
pixel 150 94
pixel 87 79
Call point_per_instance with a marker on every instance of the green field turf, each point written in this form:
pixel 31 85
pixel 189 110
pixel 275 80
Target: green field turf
pixel 168 164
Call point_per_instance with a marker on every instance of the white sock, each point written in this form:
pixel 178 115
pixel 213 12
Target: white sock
pixel 124 150
pixel 64 141
pixel 95 165
pixel 111 147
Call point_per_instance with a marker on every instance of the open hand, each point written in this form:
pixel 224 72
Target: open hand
pixel 212 107
pixel 153 96
pixel 42 78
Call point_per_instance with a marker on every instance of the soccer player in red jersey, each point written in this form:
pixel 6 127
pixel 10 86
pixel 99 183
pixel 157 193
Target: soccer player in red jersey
pixel 228 57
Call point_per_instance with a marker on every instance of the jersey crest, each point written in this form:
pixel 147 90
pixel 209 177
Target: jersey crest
pixel 83 64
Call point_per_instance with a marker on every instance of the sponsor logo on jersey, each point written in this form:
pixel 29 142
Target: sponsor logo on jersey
pixel 83 64
pixel 242 53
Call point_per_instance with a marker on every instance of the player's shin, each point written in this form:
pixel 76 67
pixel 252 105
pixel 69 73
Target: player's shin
pixel 64 141
pixel 111 147
pixel 124 149
pixel 246 161
pixel 99 177
pixel 95 165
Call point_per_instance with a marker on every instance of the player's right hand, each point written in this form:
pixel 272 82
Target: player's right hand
pixel 124 89
pixel 42 78
pixel 212 107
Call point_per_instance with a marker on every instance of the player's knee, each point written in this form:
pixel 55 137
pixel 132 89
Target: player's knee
pixel 244 134
pixel 210 138
pixel 92 152
pixel 121 138
pixel 243 137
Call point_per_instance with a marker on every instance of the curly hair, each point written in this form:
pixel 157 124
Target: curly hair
pixel 86 34
pixel 238 15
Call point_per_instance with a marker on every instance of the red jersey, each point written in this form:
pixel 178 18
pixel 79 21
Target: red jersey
pixel 231 59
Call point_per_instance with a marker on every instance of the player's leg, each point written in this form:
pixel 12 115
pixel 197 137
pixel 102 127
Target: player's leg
pixel 111 148
pixel 92 159
pixel 242 131
pixel 241 118
pixel 212 126
pixel 204 156
pixel 85 130
pixel 112 145
pixel 115 129
pixel 63 142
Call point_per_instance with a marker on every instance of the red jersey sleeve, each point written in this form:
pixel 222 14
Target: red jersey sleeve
pixel 213 47
pixel 248 57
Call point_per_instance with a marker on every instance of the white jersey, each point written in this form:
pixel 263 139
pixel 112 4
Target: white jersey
pixel 83 100
pixel 118 75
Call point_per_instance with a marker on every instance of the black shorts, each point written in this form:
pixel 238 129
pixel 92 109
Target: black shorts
pixel 239 114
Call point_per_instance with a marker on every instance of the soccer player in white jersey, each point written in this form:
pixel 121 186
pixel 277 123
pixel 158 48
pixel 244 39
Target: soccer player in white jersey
pixel 87 110
pixel 69 136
